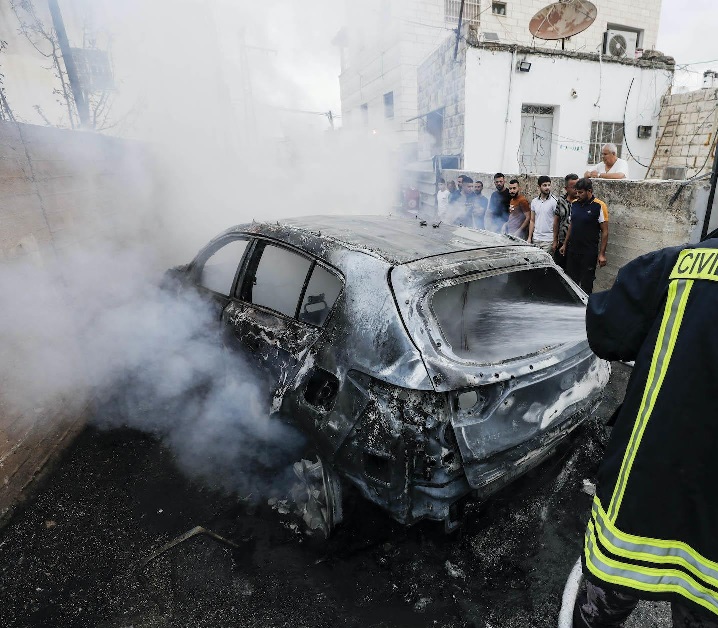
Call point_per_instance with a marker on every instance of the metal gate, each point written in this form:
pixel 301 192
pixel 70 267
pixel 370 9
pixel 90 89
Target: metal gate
pixel 536 134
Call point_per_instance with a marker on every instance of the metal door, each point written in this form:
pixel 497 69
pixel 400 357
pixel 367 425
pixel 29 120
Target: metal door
pixel 536 135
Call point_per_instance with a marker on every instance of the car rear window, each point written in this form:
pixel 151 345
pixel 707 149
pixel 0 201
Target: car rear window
pixel 510 315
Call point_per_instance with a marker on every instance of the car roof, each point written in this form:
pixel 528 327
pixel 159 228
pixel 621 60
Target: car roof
pixel 396 240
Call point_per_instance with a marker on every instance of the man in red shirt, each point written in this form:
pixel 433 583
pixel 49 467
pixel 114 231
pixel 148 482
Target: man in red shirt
pixel 519 212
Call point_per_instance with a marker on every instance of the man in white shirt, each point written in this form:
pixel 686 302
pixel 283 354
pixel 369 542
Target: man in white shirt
pixel 442 200
pixel 543 208
pixel 611 165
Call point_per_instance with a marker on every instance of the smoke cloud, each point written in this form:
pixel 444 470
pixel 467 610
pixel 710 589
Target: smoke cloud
pixel 148 358
pixel 229 103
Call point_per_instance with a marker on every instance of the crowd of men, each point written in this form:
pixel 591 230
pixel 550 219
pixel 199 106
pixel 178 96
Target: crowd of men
pixel 571 226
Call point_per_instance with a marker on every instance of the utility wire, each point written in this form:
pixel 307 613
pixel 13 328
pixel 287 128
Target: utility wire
pixel 625 136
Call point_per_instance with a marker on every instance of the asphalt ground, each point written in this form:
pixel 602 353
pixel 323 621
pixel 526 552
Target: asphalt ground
pixel 72 555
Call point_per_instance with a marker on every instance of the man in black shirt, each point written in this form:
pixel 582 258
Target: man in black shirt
pixel 562 214
pixel 498 212
pixel 581 245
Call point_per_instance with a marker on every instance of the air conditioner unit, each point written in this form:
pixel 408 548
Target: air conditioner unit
pixel 620 44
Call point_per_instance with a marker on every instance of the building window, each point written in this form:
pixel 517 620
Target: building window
pixel 365 114
pixel 389 105
pixel 498 8
pixel 537 110
pixel 472 11
pixel 604 133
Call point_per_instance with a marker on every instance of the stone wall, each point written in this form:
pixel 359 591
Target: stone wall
pixel 60 190
pixel 643 215
pixel 686 135
pixel 441 88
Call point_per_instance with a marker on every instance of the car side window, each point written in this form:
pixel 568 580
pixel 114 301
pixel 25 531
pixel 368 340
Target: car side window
pixel 219 269
pixel 279 279
pixel 322 291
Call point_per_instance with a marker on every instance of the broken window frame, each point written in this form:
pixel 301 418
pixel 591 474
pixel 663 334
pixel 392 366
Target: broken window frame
pixel 253 259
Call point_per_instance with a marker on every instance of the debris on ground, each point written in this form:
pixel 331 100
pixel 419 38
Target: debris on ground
pixel 589 487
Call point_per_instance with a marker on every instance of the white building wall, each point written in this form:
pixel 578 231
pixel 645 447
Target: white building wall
pixel 377 29
pixel 495 93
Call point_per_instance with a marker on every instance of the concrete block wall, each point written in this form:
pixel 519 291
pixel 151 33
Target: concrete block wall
pixel 441 82
pixel 686 133
pixel 513 28
pixel 61 190
pixel 643 215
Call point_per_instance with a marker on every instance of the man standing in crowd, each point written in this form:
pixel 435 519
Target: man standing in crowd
pixel 454 193
pixel 469 217
pixel 481 201
pixel 652 528
pixel 498 212
pixel 561 217
pixel 611 165
pixel 581 244
pixel 543 208
pixel 519 213
pixel 442 200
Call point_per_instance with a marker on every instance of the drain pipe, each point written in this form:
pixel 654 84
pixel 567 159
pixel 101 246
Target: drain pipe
pixel 570 593
pixel 512 69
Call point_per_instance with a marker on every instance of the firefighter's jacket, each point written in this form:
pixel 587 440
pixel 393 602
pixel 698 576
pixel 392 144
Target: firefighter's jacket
pixel 653 530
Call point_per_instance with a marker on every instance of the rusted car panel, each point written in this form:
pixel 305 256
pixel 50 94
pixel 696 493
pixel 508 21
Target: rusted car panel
pixel 387 402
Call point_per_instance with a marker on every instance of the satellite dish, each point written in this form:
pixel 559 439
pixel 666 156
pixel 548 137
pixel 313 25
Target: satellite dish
pixel 563 19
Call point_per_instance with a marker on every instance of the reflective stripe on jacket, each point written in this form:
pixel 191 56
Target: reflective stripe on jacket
pixel 654 521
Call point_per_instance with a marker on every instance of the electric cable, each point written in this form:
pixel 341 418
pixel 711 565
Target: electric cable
pixel 705 163
pixel 625 137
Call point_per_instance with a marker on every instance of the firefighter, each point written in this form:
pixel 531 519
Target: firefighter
pixel 653 530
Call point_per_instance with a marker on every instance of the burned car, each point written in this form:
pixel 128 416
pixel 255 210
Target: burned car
pixel 425 363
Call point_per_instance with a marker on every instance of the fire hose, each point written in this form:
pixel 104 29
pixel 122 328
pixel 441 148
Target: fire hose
pixel 570 592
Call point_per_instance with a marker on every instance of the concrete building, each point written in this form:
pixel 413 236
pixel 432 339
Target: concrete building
pixel 524 110
pixel 687 129
pixel 384 42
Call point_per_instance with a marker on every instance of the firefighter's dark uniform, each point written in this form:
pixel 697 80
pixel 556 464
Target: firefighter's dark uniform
pixel 653 531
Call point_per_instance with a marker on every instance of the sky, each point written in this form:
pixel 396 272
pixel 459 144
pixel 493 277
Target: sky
pixel 687 33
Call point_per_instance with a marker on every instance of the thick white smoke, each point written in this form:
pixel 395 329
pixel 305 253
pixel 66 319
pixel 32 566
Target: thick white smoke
pixel 215 90
pixel 103 331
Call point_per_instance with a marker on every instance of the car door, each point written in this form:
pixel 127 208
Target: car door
pixel 280 306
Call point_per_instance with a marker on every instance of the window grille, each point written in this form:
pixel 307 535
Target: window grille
pixel 604 133
pixel 472 11
pixel 537 110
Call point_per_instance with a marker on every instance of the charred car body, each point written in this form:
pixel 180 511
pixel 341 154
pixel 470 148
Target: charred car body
pixel 425 364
